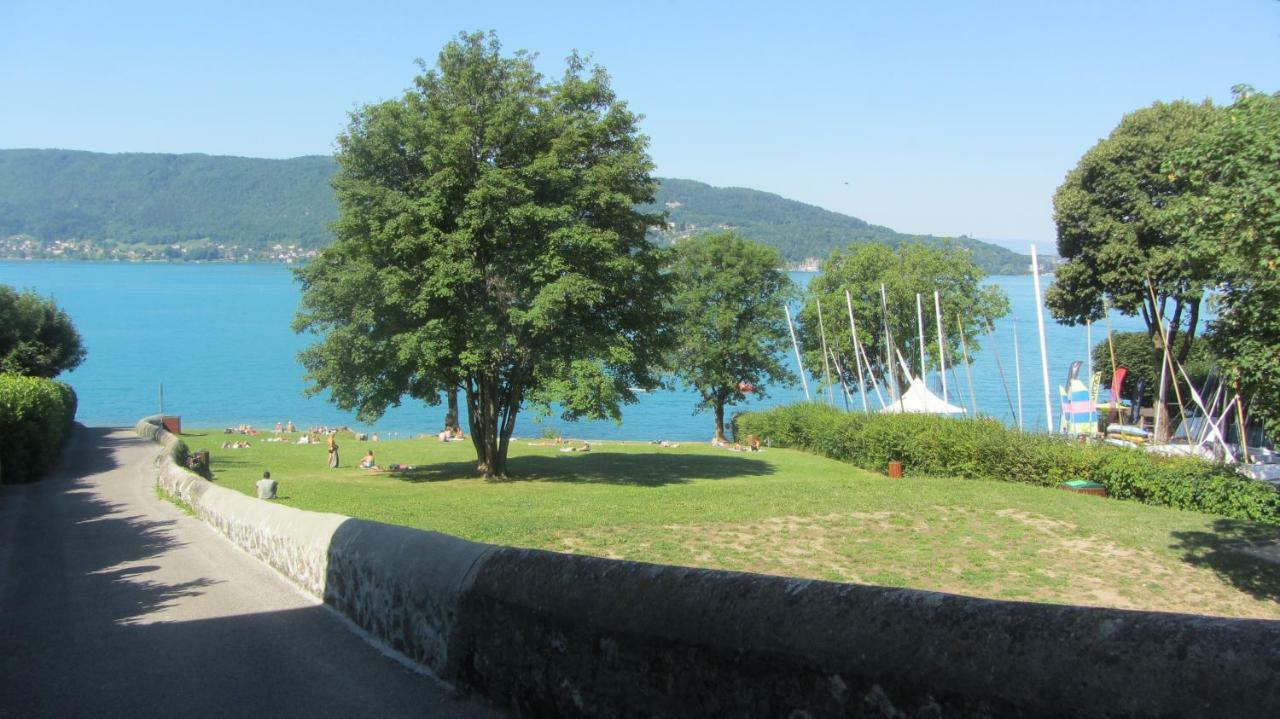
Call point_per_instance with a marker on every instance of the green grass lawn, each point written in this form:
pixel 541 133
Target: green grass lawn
pixel 788 513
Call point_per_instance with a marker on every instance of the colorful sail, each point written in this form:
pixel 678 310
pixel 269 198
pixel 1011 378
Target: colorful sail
pixel 1080 411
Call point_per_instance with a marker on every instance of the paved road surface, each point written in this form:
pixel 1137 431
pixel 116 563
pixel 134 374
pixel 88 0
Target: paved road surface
pixel 114 603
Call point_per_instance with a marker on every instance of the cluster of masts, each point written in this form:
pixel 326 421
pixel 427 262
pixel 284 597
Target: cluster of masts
pixel 1204 430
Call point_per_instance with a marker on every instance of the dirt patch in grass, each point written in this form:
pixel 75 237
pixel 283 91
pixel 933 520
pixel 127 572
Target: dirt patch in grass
pixel 1003 554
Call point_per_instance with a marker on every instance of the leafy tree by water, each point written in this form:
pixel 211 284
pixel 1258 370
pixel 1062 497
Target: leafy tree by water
pixel 37 338
pixel 728 294
pixel 1112 215
pixel 488 240
pixel 1232 211
pixel 905 271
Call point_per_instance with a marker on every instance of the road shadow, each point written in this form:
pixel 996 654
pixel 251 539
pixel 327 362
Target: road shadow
pixel 1237 552
pixel 84 585
pixel 650 469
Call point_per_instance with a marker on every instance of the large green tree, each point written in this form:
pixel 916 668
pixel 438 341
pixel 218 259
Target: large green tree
pixel 1114 234
pixel 1233 212
pixel 728 294
pixel 37 338
pixel 904 271
pixel 488 241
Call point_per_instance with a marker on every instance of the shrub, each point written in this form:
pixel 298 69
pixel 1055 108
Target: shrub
pixel 985 449
pixel 35 420
pixel 37 338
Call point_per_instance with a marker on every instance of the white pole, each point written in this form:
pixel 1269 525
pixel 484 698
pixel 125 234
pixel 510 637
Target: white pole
pixel 968 367
pixel 942 353
pixel 826 367
pixel 1044 352
pixel 891 381
pixel 1088 349
pixel 1017 371
pixel 796 346
pixel 924 369
pixel 1164 383
pixel 853 334
pixel 872 373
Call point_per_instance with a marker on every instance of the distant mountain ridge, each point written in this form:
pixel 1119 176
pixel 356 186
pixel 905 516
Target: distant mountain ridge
pixel 70 203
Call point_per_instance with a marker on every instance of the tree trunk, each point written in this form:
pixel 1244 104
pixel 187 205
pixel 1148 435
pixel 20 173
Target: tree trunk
pixel 491 415
pixel 720 419
pixel 451 416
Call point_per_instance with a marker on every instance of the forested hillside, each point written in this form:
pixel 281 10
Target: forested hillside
pixel 799 231
pixel 63 203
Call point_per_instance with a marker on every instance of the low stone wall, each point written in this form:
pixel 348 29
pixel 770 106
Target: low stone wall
pixel 551 634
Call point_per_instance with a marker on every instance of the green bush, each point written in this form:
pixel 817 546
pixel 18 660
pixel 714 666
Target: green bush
pixel 985 449
pixel 35 419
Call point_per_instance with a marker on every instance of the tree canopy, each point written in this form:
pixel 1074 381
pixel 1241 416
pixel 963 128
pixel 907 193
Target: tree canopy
pixel 1232 211
pixel 728 294
pixel 904 271
pixel 1114 231
pixel 488 239
pixel 37 338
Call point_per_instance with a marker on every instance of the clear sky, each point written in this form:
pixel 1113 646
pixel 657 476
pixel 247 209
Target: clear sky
pixel 928 117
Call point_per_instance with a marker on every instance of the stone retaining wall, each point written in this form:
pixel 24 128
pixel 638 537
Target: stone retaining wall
pixel 551 634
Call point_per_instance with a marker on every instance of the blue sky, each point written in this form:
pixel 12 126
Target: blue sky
pixel 928 117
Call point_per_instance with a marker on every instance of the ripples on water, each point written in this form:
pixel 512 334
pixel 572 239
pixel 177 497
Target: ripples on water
pixel 217 337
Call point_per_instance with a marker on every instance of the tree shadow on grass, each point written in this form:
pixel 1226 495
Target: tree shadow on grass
pixel 1243 554
pixel 641 470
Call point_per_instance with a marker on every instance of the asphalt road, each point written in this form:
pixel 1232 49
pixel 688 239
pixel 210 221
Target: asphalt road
pixel 115 603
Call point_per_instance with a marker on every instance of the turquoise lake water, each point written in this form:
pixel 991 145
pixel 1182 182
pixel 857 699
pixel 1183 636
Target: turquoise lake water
pixel 217 337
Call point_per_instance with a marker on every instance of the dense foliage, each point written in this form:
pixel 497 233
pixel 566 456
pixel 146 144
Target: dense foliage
pixel 1133 352
pixel 985 449
pixel 37 338
pixel 488 241
pixel 1232 210
pixel 1114 230
pixel 162 199
pixel 36 417
pixel 727 296
pixel 137 205
pixel 904 272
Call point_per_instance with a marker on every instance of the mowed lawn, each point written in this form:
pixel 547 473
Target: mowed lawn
pixel 788 513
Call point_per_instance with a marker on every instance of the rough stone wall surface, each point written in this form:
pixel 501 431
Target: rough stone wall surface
pixel 551 634
pixel 584 636
pixel 403 585
pixel 293 541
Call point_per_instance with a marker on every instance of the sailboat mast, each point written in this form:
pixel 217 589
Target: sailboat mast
pixel 924 368
pixel 1088 348
pixel 1004 383
pixel 796 346
pixel 968 371
pixel 1044 352
pixel 888 346
pixel 853 336
pixel 1017 371
pixel 942 354
pixel 826 366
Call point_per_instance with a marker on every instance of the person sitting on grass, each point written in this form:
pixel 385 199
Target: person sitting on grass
pixel 367 462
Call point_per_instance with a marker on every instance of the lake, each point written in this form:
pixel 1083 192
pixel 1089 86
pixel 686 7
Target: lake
pixel 217 338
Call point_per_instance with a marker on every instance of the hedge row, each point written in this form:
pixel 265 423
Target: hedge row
pixel 35 419
pixel 986 449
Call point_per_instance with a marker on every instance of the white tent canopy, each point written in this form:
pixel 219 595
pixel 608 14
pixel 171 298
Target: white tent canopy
pixel 918 398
